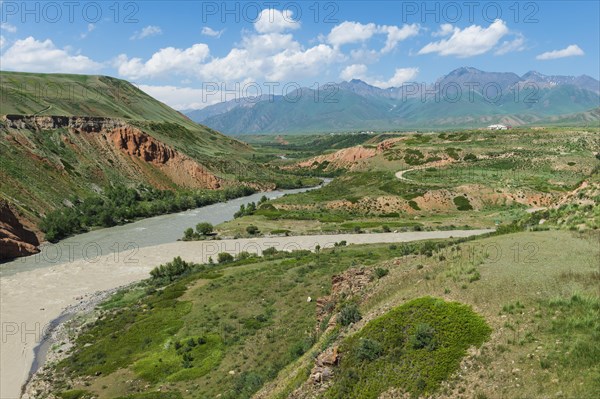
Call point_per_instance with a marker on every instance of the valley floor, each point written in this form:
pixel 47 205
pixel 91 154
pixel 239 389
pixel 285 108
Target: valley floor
pixel 31 300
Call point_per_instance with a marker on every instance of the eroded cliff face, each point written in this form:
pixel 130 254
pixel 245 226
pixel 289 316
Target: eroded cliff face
pixel 15 239
pixel 182 170
pixel 130 140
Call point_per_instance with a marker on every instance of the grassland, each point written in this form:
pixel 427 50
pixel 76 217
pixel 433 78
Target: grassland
pixel 526 298
pixel 243 327
pixel 453 179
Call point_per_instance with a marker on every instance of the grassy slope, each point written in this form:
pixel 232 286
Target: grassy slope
pixel 539 298
pixel 103 96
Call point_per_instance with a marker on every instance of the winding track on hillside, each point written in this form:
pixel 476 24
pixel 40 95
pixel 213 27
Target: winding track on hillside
pixel 400 174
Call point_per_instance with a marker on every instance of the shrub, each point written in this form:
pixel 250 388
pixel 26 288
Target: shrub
pixel 368 350
pixel 270 251
pixel 349 314
pixel 470 157
pixel 381 272
pixel 174 269
pixel 224 257
pixel 204 228
pixel 75 394
pixel 462 203
pixel 414 205
pixel 386 228
pixel 252 230
pixel 243 255
pixel 188 234
pixel 424 337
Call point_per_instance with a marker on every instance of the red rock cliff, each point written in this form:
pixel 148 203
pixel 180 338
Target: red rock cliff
pixel 15 239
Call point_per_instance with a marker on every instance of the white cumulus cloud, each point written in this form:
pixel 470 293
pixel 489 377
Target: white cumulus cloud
pixel 445 30
pixel 148 31
pixel 166 60
pixel 2 41
pixel 182 97
pixel 206 31
pixel 396 35
pixel 570 51
pixel 467 42
pixel 90 28
pixel 270 56
pixel 8 27
pixel 32 55
pixel 360 71
pixel 274 21
pixel 351 32
pixel 290 64
pixel 401 76
pixel 508 46
pixel 354 71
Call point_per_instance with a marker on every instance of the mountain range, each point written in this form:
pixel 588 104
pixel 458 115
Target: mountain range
pixel 466 97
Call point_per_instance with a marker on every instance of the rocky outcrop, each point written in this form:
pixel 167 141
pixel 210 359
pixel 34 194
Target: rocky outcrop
pixel 345 285
pixel 182 170
pixel 323 368
pixel 348 158
pixel 88 124
pixel 15 239
pixel 345 158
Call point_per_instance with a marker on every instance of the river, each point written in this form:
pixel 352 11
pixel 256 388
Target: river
pixel 125 240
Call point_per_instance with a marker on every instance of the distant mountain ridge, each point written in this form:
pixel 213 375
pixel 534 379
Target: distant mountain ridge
pixel 466 97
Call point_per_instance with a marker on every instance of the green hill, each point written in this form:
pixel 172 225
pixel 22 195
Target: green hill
pixel 64 138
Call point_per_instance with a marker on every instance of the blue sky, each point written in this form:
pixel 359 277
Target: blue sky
pixel 181 52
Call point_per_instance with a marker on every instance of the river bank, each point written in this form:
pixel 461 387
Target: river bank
pixel 59 338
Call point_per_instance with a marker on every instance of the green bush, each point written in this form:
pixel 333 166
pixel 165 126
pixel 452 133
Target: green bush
pixel 470 157
pixel 349 314
pixel 368 350
pixel 174 269
pixel 381 272
pixel 252 230
pixel 423 337
pixel 271 251
pixel 462 203
pixel 243 255
pixel 414 205
pixel 188 234
pixel 224 257
pixel 204 228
